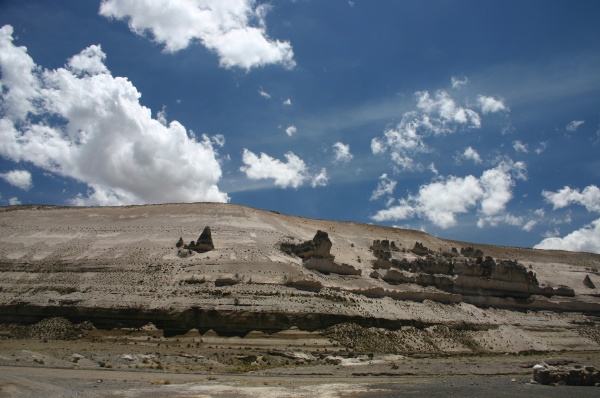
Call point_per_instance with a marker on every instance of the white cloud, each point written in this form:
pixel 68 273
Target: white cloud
pixel 497 187
pixel 287 102
pixel 444 110
pixel 590 197
pixel 320 180
pixel 88 62
pixel 433 169
pixel 234 29
pixel 96 132
pixel 437 115
pixel 385 186
pixel 441 200
pixel 291 130
pixel 14 201
pixel 20 85
pixel 490 104
pixel 542 147
pixel 472 154
pixel 293 173
pixel 574 125
pixel 264 94
pixel 528 227
pixel 586 239
pixel 520 147
pixel 341 153
pixel 19 178
pixel 458 81
pixel 218 140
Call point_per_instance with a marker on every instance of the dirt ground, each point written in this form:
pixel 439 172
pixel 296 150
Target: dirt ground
pixel 289 365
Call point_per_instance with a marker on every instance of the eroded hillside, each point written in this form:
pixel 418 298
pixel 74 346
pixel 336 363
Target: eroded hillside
pixel 127 267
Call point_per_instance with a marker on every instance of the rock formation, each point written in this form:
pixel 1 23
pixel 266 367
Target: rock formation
pixel 318 247
pixel 316 255
pixel 469 274
pixel 203 245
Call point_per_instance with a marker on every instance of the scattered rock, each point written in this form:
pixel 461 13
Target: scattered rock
pixel 420 250
pixel 179 243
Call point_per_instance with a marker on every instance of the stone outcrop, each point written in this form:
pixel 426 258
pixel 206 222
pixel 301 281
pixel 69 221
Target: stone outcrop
pixel 318 247
pixel 179 243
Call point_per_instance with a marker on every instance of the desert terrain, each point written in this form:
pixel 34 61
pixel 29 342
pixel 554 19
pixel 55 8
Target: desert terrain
pixel 111 302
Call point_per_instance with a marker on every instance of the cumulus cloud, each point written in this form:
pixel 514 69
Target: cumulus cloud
pixel 574 125
pixel 589 197
pixel 292 173
pixel 520 147
pixel 385 186
pixel 490 104
pixel 291 130
pixel 19 178
pixel 341 153
pixel 234 29
pixel 472 154
pixel 441 200
pixel 81 122
pixel 14 201
pixel 586 239
pixel 287 102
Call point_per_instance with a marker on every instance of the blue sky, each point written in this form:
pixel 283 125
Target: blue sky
pixel 471 120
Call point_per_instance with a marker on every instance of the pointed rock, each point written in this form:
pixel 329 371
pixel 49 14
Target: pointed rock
pixel 588 282
pixel 205 242
pixel 179 243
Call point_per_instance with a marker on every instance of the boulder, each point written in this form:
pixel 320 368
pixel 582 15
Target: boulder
pixel 179 243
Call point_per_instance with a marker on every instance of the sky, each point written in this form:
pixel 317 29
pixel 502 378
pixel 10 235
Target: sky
pixel 470 120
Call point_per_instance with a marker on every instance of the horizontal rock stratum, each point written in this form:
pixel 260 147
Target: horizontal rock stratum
pixel 119 267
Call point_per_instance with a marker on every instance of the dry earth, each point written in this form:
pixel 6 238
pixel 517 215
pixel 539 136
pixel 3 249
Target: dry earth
pixel 97 302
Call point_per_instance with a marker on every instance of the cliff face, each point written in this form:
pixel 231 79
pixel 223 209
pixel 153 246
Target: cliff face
pixel 123 267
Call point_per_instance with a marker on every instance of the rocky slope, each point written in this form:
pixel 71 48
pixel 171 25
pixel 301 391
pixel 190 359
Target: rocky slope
pixel 368 287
